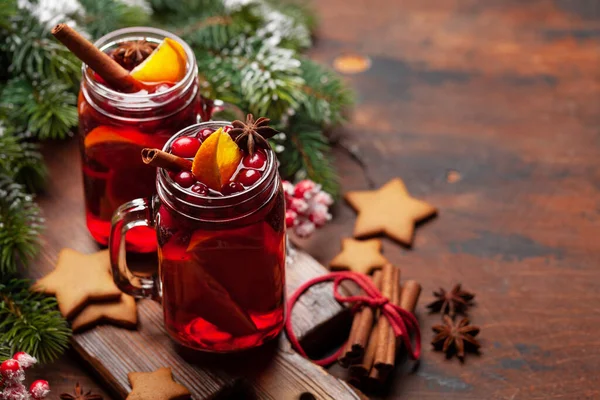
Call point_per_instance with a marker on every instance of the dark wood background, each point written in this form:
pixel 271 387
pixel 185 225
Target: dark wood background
pixel 489 110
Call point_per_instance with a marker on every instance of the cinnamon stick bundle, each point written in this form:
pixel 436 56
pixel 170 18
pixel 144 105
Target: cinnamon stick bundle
pixel 111 71
pixel 362 325
pixel 162 159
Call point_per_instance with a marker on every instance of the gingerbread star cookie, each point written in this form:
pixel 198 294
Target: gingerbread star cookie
pixel 359 256
pixel 78 279
pixel 390 210
pixel 122 312
pixel 157 385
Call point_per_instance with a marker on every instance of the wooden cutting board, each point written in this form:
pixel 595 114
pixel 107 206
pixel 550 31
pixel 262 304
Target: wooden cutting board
pixel 273 371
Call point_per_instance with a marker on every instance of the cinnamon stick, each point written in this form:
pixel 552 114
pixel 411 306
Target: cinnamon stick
pixel 411 290
pixel 358 371
pixel 385 353
pixel 111 71
pixel 162 159
pixel 362 325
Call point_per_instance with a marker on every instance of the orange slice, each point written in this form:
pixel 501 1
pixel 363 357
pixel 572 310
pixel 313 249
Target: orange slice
pixel 118 147
pixel 167 63
pixel 217 160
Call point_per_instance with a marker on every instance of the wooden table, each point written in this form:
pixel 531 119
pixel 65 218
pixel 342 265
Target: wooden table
pixel 490 111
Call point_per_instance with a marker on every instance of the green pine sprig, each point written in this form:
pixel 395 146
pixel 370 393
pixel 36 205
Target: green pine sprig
pixel 20 226
pixel 307 154
pixel 104 16
pixel 46 108
pixel 30 322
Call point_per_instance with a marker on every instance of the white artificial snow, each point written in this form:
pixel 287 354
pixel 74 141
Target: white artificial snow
pixel 52 12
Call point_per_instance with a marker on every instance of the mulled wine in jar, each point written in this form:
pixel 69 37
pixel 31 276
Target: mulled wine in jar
pixel 115 126
pixel 220 225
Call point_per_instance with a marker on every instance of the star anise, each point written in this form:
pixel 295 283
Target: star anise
pixel 252 133
pixel 132 53
pixel 454 338
pixel 78 394
pixel 455 301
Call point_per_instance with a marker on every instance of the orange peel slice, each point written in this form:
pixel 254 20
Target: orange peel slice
pixel 217 160
pixel 167 63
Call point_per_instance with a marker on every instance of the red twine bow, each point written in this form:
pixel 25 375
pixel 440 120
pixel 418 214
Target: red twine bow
pixel 402 322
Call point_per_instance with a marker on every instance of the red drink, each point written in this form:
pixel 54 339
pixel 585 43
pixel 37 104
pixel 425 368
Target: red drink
pixel 114 127
pixel 221 253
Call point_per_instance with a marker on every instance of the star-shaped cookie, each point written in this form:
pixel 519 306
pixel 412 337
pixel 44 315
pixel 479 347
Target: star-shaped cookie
pixel 359 256
pixel 122 312
pixel 157 385
pixel 390 210
pixel 78 279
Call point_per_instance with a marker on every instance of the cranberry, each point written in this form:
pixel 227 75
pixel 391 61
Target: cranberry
pixel 39 389
pixel 204 134
pixel 232 187
pixel 11 370
pixel 185 179
pixel 304 188
pixel 256 161
pixel 248 177
pixel 200 188
pixel 172 174
pixel 227 128
pixel 185 147
pixel 290 218
pixel 24 359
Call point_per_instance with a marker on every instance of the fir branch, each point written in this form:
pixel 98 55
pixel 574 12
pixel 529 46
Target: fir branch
pixel 307 154
pixel 327 99
pixel 31 322
pixel 102 17
pixel 21 160
pixel 20 226
pixel 47 109
pixel 36 55
pixel 7 13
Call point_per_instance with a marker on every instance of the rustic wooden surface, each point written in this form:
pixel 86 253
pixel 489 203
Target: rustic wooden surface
pixel 488 110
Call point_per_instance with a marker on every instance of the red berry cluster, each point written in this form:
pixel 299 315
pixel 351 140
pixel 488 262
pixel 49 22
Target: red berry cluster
pixel 12 373
pixel 307 207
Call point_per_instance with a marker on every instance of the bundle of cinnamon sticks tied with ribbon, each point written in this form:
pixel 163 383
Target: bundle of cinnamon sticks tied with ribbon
pixel 371 350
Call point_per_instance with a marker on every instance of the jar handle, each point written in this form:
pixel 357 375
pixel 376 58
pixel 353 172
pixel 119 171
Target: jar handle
pixel 138 212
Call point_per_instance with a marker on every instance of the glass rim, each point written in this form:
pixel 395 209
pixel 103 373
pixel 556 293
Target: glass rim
pixel 168 187
pixel 140 32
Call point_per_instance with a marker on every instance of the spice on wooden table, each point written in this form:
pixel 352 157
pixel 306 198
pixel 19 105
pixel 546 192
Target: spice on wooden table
pixel 452 302
pixel 453 338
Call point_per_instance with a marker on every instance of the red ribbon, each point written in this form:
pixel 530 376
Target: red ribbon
pixel 402 322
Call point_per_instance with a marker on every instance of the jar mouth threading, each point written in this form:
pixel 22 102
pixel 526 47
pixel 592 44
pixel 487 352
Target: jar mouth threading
pixel 132 102
pixel 177 197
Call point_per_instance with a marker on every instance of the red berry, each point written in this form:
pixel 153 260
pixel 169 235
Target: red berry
pixel 248 177
pixel 290 218
pixel 24 359
pixel 303 188
pixel 14 391
pixel 232 187
pixel 11 370
pixel 227 128
pixel 172 174
pixel 257 160
pixel 185 179
pixel 185 147
pixel 39 389
pixel 200 188
pixel 204 134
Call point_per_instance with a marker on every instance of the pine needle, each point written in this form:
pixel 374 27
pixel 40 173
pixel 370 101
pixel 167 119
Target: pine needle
pixel 30 322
